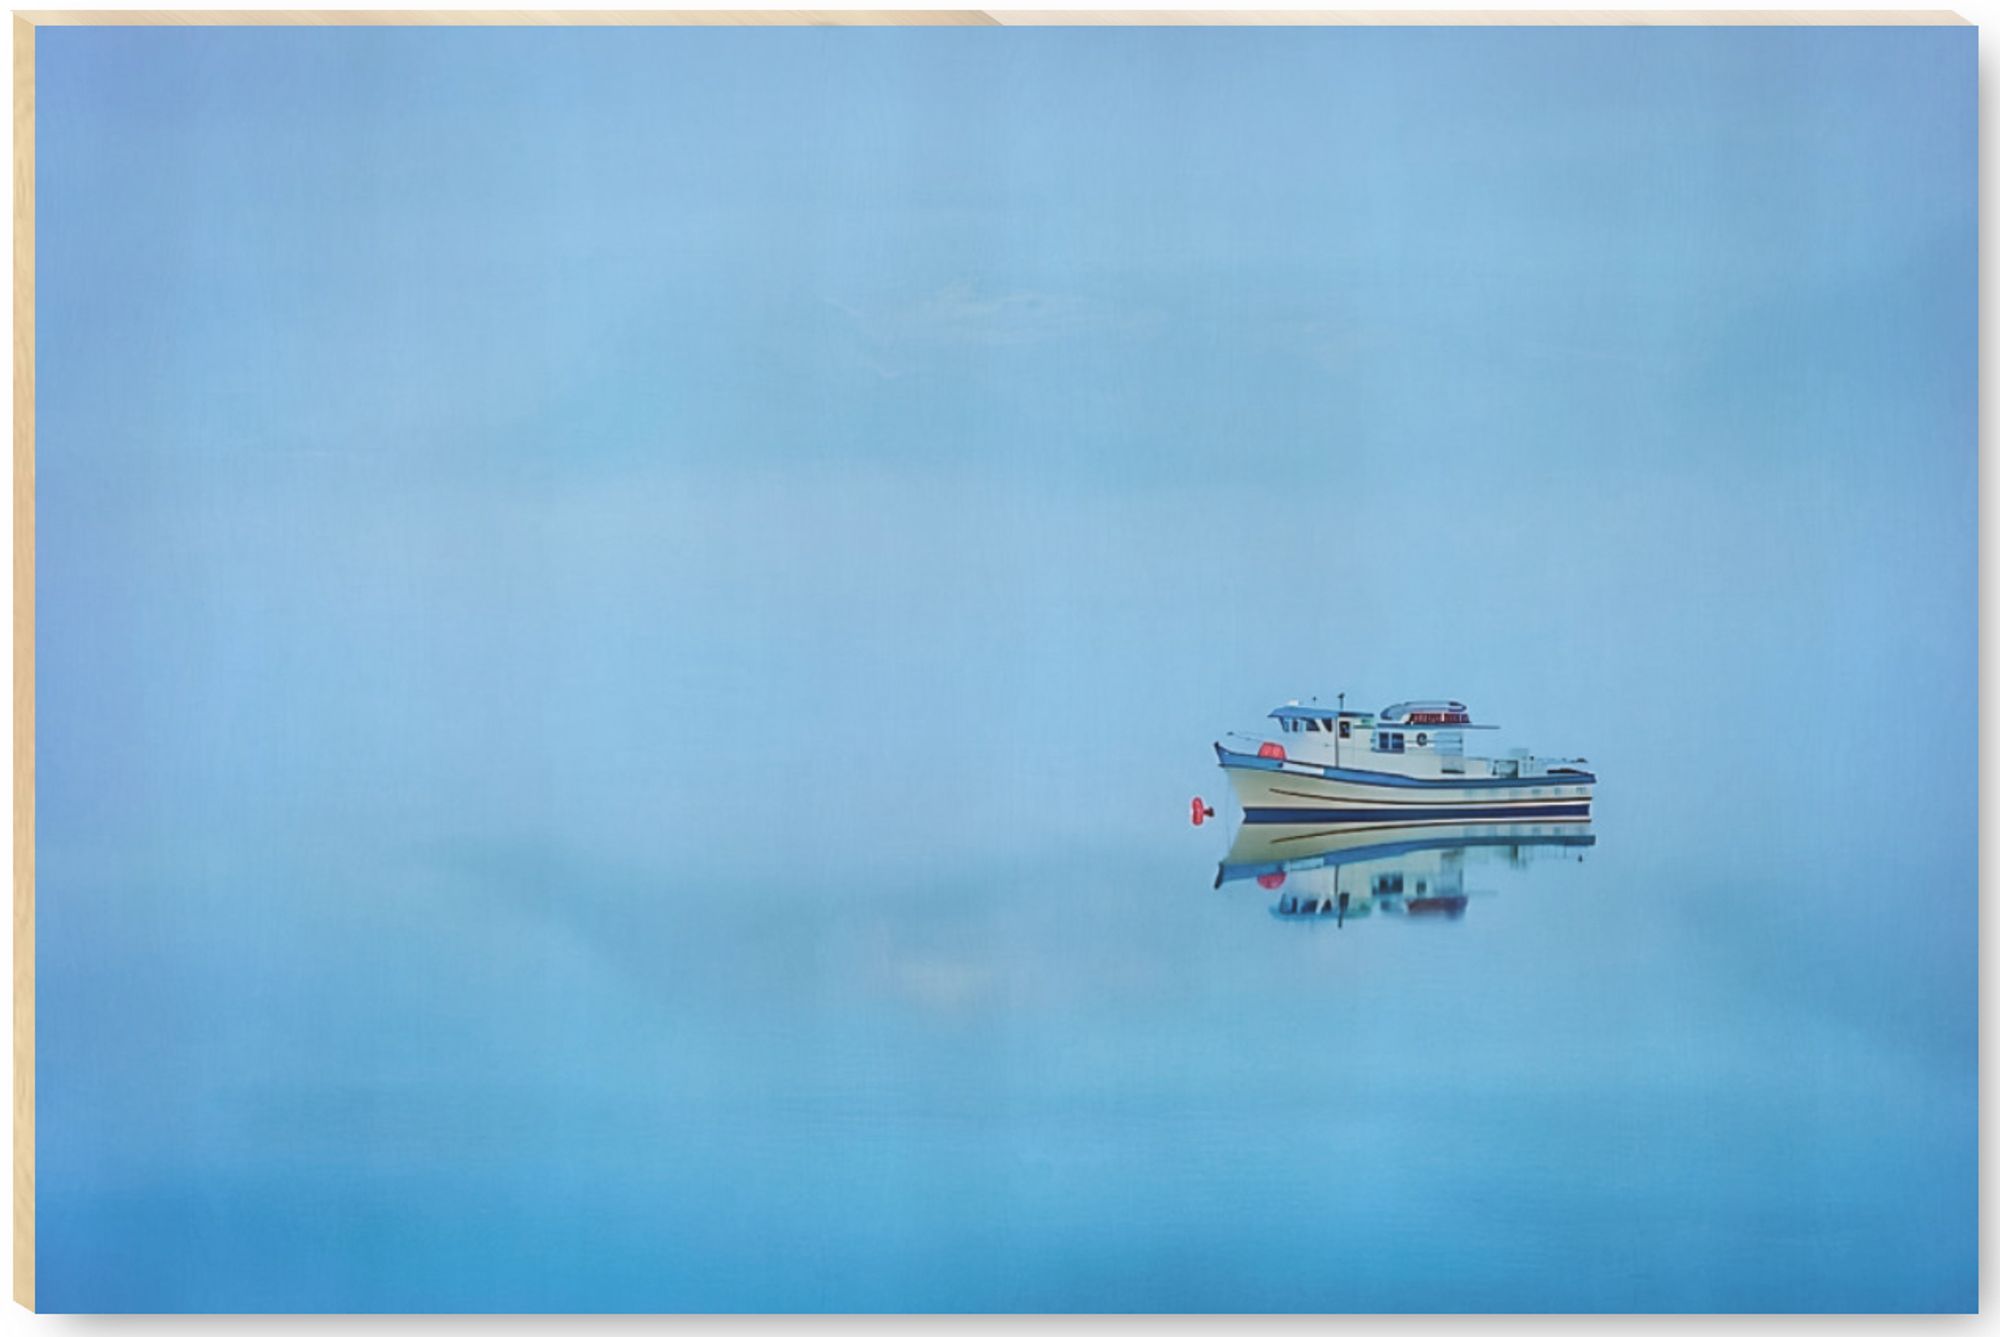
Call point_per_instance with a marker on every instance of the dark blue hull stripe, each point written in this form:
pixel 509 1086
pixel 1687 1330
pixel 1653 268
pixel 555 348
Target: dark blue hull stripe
pixel 1512 812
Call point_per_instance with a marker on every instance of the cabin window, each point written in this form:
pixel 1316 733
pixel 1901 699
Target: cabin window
pixel 1345 730
pixel 1312 726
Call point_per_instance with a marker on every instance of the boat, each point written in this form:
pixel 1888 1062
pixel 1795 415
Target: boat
pixel 1333 767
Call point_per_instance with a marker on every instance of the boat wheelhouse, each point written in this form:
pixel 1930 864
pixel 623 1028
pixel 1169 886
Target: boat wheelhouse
pixel 1330 766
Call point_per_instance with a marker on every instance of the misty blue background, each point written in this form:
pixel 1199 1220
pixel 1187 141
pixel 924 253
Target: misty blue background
pixel 626 621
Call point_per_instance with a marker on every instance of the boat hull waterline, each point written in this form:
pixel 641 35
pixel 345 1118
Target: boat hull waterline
pixel 1284 790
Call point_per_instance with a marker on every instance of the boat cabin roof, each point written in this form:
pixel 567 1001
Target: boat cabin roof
pixel 1404 715
pixel 1292 710
pixel 1426 712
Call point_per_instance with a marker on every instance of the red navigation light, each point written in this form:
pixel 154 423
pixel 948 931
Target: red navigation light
pixel 1271 881
pixel 1275 751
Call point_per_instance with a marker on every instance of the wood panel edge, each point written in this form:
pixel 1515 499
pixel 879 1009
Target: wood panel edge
pixel 1003 17
pixel 549 18
pixel 24 662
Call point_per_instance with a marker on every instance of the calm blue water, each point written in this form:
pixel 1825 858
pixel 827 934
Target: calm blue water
pixel 623 657
pixel 1698 1069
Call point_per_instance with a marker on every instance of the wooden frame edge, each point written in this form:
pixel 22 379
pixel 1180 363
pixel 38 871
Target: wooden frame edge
pixel 523 18
pixel 1591 18
pixel 24 662
pixel 1486 18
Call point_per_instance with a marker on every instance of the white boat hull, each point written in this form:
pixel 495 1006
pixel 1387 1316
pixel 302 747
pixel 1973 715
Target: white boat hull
pixel 1293 792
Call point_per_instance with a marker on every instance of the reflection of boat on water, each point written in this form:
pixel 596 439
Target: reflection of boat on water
pixel 1415 871
pixel 1406 764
